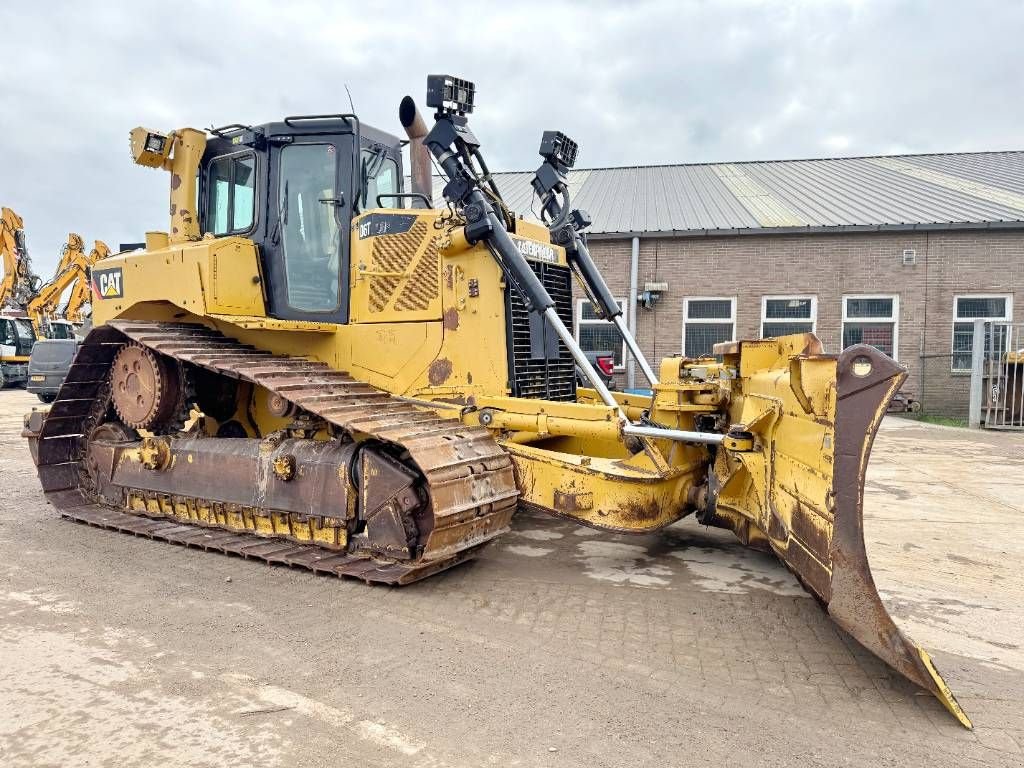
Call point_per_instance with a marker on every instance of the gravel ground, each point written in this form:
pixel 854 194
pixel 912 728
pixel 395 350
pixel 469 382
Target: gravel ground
pixel 561 646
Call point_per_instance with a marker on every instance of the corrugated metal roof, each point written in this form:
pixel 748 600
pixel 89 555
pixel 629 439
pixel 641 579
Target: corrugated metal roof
pixel 976 189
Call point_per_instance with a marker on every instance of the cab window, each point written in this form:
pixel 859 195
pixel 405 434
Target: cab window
pixel 231 205
pixel 61 331
pixel 310 234
pixel 25 331
pixel 380 177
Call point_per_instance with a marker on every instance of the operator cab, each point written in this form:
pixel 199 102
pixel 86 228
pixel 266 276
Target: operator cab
pixel 59 329
pixel 16 336
pixel 293 188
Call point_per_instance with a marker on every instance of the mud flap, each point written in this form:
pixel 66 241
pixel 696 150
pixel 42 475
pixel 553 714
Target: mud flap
pixel 800 492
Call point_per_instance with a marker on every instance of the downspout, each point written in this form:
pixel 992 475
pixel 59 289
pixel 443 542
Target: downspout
pixel 634 276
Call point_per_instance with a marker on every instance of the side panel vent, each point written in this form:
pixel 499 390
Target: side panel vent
pixel 909 257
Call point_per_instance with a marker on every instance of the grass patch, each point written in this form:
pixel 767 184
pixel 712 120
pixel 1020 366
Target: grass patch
pixel 942 421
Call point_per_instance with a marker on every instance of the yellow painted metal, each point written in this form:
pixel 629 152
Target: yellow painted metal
pixel 783 487
pixel 395 274
pixel 416 334
pixel 11 258
pixel 257 322
pixel 81 295
pixel 206 277
pixel 11 223
pixel 543 425
pixel 156 241
pixel 327 532
pixel 178 152
pixel 610 493
pixel 427 321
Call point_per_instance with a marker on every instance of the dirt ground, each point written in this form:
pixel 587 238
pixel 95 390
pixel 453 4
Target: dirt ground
pixel 561 646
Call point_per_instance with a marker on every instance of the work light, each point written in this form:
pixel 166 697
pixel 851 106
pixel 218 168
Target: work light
pixel 558 149
pixel 450 94
pixel 155 143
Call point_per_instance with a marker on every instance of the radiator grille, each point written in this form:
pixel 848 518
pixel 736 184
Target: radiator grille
pixel 548 379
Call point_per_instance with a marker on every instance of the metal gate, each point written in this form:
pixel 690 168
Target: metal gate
pixel 997 375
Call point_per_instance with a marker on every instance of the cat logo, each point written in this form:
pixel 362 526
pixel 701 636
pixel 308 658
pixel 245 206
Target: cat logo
pixel 107 284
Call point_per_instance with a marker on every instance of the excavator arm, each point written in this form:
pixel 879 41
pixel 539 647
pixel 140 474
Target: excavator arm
pixel 19 282
pixel 73 272
pixel 80 291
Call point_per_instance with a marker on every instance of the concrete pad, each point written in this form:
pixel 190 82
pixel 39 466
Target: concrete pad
pixel 561 646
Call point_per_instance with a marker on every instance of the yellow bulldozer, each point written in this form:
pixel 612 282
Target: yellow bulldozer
pixel 318 368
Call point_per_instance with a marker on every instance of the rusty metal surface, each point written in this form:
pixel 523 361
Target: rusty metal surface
pixel 144 387
pixel 866 381
pixel 801 493
pixel 468 480
pixel 240 471
pixel 253 547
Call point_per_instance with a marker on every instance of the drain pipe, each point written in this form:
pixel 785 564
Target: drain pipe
pixel 634 276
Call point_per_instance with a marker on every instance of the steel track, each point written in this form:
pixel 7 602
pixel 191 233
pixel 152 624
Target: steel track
pixel 468 477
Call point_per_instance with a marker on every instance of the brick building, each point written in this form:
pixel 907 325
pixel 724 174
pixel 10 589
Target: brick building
pixel 899 252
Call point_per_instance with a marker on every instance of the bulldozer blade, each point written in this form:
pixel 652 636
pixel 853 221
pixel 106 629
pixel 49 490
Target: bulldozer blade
pixel 866 382
pixel 801 494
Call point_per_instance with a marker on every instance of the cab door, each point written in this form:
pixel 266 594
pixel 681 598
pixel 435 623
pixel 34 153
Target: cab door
pixel 8 339
pixel 307 243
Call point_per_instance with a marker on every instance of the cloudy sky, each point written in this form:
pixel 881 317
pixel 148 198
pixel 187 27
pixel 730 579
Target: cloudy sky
pixel 634 82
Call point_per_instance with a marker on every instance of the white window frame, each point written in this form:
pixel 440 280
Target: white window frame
pixel 686 316
pixel 894 319
pixel 1007 317
pixel 580 322
pixel 813 318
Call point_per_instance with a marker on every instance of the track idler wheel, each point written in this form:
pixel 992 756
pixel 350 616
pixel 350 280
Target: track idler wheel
pixel 101 455
pixel 145 387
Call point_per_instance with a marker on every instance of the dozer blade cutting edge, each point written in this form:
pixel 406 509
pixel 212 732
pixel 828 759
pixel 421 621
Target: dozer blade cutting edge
pixel 867 382
pixel 804 491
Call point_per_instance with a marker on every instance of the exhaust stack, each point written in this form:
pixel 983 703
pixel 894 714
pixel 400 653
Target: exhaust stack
pixel 419 157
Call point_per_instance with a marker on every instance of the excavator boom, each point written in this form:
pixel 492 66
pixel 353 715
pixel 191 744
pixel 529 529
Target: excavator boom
pixel 19 283
pixel 71 277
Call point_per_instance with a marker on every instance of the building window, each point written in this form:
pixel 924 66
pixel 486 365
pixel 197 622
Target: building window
pixel 596 334
pixel 967 309
pixel 872 320
pixel 783 315
pixel 707 321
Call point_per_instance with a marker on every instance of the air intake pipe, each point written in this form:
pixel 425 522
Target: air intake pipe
pixel 419 156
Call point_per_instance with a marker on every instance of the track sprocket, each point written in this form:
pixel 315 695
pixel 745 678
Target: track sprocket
pixel 145 387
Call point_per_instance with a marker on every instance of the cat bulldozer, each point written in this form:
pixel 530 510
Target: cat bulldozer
pixel 317 368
